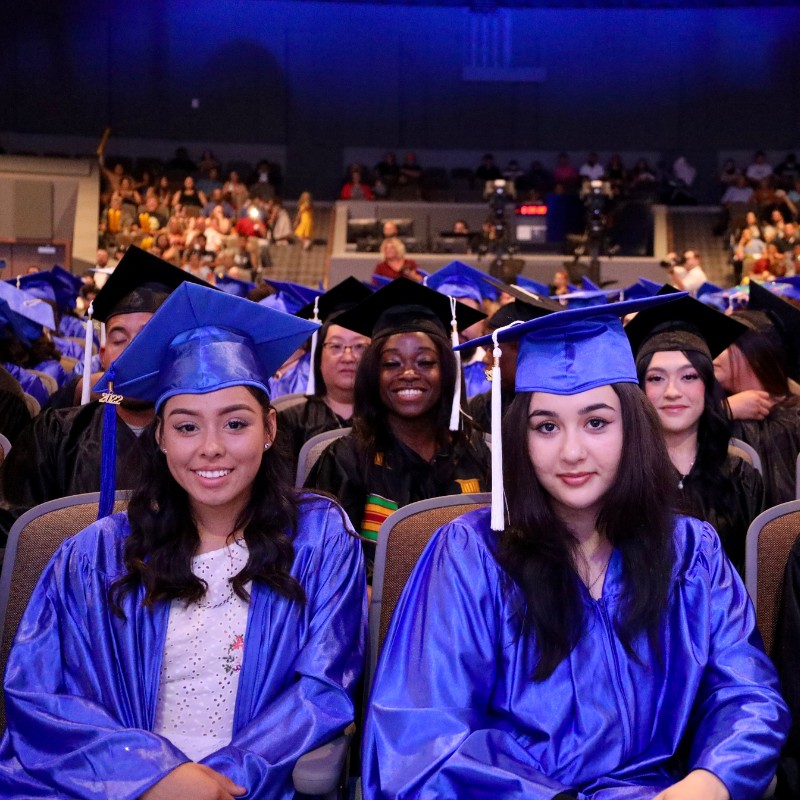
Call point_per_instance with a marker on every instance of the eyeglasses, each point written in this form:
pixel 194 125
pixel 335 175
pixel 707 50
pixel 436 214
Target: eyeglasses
pixel 337 349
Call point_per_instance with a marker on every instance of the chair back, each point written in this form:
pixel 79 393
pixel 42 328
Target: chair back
pixel 32 541
pixel 401 539
pixel 797 479
pixel 770 539
pixel 748 453
pixel 288 400
pixel 312 450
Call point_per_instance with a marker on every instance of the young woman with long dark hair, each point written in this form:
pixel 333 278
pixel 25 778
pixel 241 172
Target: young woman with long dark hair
pixel 410 440
pixel 674 347
pixel 164 647
pixel 578 640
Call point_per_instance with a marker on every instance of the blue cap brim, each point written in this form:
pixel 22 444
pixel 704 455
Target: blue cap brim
pixel 151 367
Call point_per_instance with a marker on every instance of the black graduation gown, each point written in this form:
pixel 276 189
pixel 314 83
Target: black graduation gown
pixel 480 409
pixel 731 512
pixel 776 439
pixel 298 423
pixel 14 415
pixel 787 660
pixel 58 455
pixel 396 477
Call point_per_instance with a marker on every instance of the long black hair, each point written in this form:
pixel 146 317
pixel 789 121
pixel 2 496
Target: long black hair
pixel 538 550
pixel 713 429
pixel 164 537
pixel 764 351
pixel 370 422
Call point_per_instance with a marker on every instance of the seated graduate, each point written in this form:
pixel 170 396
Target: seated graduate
pixel 674 346
pixel 473 288
pixel 58 454
pixel 756 368
pixel 198 644
pixel 410 439
pixel 335 353
pixel 291 377
pixel 589 643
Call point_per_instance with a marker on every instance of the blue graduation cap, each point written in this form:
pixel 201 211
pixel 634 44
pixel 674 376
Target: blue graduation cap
pixel 381 280
pixel 24 314
pixel 56 285
pixel 563 353
pixel 199 341
pixel 792 287
pixel 289 297
pixel 460 280
pixel 532 286
pixel 642 288
pixel 234 285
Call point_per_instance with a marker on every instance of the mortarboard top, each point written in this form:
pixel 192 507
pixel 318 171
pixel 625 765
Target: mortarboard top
pixel 532 286
pixel 460 280
pixel 234 285
pixel 786 319
pixel 56 285
pixel 139 283
pixel 405 305
pixel 24 314
pixel 339 298
pixel 686 324
pixel 202 340
pixel 563 353
pixel 790 286
pixel 289 297
pixel 642 288
pixel 576 349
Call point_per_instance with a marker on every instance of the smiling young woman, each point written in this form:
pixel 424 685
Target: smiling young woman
pixel 221 607
pixel 674 366
pixel 578 640
pixel 401 448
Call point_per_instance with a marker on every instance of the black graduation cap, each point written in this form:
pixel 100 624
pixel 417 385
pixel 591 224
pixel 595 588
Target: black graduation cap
pixel 786 319
pixel 140 283
pixel 687 324
pixel 405 305
pixel 520 311
pixel 339 298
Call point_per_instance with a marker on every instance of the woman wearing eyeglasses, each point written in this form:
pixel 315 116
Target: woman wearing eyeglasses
pixel 331 406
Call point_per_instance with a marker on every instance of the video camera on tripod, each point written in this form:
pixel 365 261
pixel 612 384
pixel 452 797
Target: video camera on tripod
pixel 595 196
pixel 499 193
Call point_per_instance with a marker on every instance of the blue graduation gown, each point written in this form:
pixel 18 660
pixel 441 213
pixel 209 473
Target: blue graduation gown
pixel 294 380
pixel 81 684
pixel 30 383
pixel 475 380
pixel 454 712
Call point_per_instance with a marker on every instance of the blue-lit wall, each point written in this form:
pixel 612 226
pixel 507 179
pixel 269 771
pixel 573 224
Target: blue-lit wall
pixel 320 76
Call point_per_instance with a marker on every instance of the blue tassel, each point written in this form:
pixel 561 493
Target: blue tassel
pixel 108 459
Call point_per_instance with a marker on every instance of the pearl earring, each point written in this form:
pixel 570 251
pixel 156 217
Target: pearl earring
pixel 164 450
pixel 266 445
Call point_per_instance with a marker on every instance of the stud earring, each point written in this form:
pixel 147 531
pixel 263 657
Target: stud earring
pixel 266 445
pixel 164 450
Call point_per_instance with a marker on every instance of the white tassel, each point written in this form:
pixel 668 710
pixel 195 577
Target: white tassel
pixel 455 411
pixel 87 357
pixel 102 334
pixel 498 495
pixel 311 386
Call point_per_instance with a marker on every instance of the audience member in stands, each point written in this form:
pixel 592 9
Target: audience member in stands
pixel 304 221
pixel 642 174
pixel 58 454
pixel 487 170
pixel 674 346
pixel 737 191
pixel 565 174
pixel 394 263
pixel 755 372
pixel 216 199
pixel 560 284
pixel 178 638
pixel 236 191
pixel 265 180
pixel 592 169
pixel 730 174
pixel 688 275
pixel 278 222
pixel 182 162
pixel 128 193
pixel 402 447
pixel 188 196
pixel 208 162
pixel 388 170
pixel 759 169
pixel 336 357
pixel 354 188
pixel 410 170
pixel 583 641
